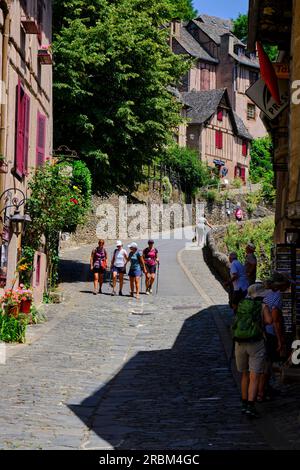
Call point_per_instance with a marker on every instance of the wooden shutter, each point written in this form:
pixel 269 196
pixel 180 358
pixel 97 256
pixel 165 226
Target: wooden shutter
pixel 40 139
pixel 20 124
pixel 236 171
pixel 244 148
pixel 26 132
pixel 243 174
pixel 220 114
pixel 219 139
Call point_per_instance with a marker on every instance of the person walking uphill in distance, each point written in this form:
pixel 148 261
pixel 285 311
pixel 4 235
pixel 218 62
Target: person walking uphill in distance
pixel 98 264
pixel 118 264
pixel 239 281
pixel 201 230
pixel 250 263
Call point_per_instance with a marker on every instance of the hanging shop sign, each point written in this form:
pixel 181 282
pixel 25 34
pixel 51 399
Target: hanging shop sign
pixel 261 96
pixel 282 70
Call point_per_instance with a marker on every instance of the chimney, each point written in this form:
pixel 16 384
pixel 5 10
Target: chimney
pixel 227 44
pixel 176 25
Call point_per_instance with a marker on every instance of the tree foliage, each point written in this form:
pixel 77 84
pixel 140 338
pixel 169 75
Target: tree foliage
pixel 183 9
pixel 194 174
pixel 240 30
pixel 261 166
pixel 113 69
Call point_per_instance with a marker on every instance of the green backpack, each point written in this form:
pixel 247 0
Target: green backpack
pixel 247 325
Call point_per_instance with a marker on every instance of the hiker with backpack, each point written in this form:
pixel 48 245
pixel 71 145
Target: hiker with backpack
pixel 150 255
pixel 98 262
pixel 137 267
pixel 250 349
pixel 118 266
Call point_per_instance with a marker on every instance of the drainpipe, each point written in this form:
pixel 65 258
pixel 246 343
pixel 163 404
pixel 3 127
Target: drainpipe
pixel 4 5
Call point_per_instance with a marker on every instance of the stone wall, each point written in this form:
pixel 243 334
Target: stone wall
pixel 217 261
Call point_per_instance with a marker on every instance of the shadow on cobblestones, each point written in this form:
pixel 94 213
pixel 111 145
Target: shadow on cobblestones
pixel 179 398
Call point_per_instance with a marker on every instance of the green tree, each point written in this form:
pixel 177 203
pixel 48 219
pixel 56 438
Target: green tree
pixel 193 173
pixel 113 69
pixel 261 166
pixel 240 29
pixel 183 9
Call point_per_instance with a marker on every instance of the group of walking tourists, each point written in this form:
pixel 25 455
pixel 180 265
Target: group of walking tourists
pixel 140 263
pixel 258 328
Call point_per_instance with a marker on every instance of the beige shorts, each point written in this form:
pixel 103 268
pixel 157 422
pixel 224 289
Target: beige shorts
pixel 250 356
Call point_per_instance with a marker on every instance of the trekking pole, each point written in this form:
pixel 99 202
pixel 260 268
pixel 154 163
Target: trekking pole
pixel 157 278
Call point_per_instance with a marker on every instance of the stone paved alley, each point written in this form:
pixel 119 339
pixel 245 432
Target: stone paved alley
pixel 110 373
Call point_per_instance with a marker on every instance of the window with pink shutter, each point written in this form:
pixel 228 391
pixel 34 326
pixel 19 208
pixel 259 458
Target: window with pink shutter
pixel 219 139
pixel 22 131
pixel 245 148
pixel 220 114
pixel 38 271
pixel 40 139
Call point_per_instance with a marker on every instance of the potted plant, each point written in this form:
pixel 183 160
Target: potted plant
pixel 25 296
pixel 11 302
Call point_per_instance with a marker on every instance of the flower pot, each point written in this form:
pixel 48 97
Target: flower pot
pixel 12 310
pixel 25 306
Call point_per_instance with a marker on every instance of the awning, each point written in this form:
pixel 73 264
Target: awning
pixel 219 162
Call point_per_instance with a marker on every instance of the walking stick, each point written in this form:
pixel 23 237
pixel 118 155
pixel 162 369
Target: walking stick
pixel 157 278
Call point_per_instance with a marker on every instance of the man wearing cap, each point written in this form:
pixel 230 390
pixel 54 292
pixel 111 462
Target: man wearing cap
pixel 250 263
pixel 150 255
pixel 118 264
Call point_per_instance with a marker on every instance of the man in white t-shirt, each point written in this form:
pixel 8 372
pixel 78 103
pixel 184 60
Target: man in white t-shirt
pixel 239 280
pixel 118 263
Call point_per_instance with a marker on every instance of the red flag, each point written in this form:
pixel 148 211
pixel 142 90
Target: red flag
pixel 268 73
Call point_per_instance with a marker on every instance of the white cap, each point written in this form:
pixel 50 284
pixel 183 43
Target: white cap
pixel 119 243
pixel 132 245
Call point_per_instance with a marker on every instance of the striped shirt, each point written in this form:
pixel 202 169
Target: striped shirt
pixel 272 300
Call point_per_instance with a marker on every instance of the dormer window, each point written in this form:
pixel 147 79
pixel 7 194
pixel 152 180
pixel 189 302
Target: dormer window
pixel 240 51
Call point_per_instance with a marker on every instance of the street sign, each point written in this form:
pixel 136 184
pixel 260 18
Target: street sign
pixel 261 96
pixel 282 70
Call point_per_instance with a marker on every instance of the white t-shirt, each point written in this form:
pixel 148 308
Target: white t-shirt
pixel 120 258
pixel 201 222
pixel 241 282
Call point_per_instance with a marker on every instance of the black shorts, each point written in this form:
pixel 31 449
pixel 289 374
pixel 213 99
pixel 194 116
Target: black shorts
pixel 98 270
pixel 151 269
pixel 271 347
pixel 237 296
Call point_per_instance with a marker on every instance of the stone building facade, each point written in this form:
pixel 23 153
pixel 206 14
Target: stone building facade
pixel 26 119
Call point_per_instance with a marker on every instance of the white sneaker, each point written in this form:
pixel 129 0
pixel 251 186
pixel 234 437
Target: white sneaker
pixel 147 292
pixel 150 291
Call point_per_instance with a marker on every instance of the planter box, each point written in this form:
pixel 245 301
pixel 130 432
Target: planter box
pixel 30 25
pixel 45 57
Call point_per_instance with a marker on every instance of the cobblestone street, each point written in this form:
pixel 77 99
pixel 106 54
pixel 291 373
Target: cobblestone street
pixel 114 373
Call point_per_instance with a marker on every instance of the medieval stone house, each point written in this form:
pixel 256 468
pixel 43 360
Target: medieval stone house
pixel 26 119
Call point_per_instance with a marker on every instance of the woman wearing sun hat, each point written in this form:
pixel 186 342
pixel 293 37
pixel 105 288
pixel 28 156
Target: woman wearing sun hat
pixel 118 266
pixel 137 266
